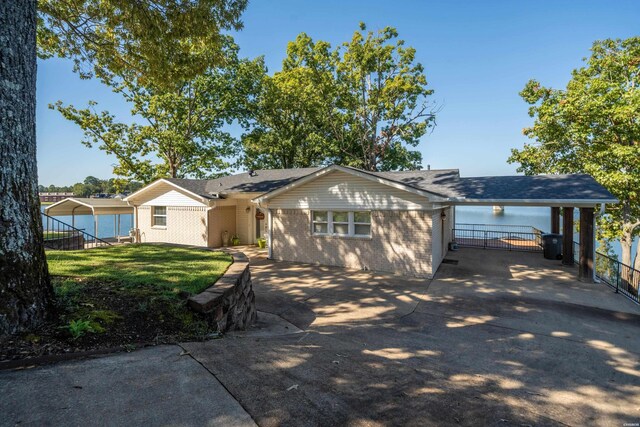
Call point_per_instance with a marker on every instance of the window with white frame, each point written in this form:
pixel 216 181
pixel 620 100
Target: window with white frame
pixel 341 223
pixel 320 222
pixel 159 216
pixel 362 223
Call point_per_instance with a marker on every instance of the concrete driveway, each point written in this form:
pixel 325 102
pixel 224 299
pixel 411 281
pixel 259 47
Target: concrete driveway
pixel 498 339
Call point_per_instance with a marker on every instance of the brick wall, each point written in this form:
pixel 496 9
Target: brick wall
pixel 400 242
pixel 186 225
pixel 221 219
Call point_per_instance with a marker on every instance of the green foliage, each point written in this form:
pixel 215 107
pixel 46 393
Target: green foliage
pixel 362 104
pixel 183 125
pixel 158 43
pixel 80 327
pixel 592 126
pixel 292 110
pixel 92 185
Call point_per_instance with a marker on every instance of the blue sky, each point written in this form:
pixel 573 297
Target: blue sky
pixel 477 56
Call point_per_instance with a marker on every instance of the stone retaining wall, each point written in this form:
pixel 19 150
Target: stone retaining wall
pixel 230 302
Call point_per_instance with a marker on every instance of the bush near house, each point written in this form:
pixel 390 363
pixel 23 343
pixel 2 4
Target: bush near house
pixel 121 296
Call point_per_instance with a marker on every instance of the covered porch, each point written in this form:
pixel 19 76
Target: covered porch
pixel 235 217
pixel 529 239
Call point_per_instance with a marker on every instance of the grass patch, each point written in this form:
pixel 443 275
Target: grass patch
pixel 122 295
pixel 168 269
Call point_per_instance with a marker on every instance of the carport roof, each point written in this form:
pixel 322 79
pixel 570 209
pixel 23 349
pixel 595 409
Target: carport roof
pixel 86 206
pixel 548 190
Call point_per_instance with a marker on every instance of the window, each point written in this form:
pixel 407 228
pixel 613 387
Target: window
pixel 320 222
pixel 341 223
pixel 159 216
pixel 362 223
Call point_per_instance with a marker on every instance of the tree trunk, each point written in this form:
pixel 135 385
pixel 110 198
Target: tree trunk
pixel 635 279
pixel 25 289
pixel 626 243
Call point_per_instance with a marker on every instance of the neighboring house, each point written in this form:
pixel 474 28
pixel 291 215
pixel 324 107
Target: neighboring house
pixel 398 222
pixel 53 197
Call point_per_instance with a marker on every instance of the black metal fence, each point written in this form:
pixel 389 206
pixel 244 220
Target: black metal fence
pixel 504 237
pixel 62 236
pixel 622 278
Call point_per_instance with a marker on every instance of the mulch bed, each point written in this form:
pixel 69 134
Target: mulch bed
pixel 121 318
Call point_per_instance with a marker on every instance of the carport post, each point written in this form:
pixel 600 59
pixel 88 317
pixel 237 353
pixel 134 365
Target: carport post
pixel 555 220
pixel 585 267
pixel 567 236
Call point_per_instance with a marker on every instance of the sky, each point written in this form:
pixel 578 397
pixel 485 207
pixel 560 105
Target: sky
pixel 477 56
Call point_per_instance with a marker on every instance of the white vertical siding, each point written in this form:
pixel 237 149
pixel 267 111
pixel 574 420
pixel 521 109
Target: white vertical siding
pixel 340 190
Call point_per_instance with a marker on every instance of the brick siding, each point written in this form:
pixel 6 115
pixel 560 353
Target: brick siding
pixel 400 242
pixel 186 225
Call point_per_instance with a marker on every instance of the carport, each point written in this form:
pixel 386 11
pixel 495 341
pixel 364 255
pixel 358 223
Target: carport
pixel 95 207
pixel 566 192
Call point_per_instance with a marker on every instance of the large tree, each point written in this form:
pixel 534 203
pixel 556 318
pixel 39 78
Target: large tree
pixel 593 126
pixel 25 290
pixel 185 127
pixel 154 41
pixel 292 110
pixel 383 102
pixel 363 104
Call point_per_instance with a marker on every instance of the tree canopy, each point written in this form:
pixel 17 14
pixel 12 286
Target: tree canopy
pixel 154 42
pixel 362 104
pixel 185 128
pixel 593 126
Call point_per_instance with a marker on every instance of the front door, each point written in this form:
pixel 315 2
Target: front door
pixel 259 223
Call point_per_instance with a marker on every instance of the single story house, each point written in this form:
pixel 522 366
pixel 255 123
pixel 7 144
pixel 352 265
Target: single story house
pixel 398 222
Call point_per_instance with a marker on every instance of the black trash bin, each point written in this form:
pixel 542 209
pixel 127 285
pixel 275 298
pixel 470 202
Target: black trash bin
pixel 552 245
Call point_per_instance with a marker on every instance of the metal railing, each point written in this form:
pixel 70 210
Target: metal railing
pixel 504 237
pixel 621 277
pixel 62 236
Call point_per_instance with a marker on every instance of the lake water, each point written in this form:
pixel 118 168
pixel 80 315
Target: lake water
pixel 106 223
pixel 538 217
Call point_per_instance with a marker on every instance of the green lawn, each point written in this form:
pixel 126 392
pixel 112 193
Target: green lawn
pixel 166 268
pixel 120 296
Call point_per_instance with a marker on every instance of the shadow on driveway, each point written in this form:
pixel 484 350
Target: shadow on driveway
pixel 526 346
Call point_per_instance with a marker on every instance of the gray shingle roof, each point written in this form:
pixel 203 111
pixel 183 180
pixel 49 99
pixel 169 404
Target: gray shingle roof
pixel 537 187
pixel 261 181
pixel 437 181
pixel 444 182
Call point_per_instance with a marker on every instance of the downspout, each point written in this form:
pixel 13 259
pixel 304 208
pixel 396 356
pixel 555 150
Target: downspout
pixel 270 234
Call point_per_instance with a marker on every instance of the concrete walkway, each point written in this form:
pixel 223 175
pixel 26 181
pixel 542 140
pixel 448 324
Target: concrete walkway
pixel 152 387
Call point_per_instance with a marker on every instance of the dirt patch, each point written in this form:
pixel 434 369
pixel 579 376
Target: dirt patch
pixel 94 315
